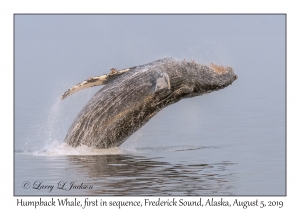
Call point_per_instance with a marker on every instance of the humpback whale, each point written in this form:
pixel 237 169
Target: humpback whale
pixel 132 96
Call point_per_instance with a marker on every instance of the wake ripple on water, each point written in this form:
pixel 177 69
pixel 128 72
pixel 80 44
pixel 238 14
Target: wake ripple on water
pixel 177 148
pixel 62 149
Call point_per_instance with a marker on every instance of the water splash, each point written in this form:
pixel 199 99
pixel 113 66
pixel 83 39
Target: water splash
pixel 48 130
pixel 62 149
pixel 54 119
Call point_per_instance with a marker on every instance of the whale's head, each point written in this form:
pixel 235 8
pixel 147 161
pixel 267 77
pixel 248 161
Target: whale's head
pixel 204 79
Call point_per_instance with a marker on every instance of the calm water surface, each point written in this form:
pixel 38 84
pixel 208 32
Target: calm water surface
pixel 229 142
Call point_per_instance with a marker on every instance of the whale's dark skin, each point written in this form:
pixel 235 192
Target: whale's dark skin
pixel 131 97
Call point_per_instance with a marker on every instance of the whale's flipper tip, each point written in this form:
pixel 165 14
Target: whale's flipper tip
pixel 94 81
pixel 90 82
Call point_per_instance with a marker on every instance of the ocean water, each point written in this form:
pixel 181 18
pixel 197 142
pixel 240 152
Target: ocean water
pixel 228 142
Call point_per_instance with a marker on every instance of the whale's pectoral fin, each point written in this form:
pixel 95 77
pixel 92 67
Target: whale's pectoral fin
pixel 94 81
pixel 90 82
pixel 162 82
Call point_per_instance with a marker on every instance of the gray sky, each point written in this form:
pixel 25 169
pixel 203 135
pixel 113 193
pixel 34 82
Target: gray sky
pixel 55 52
